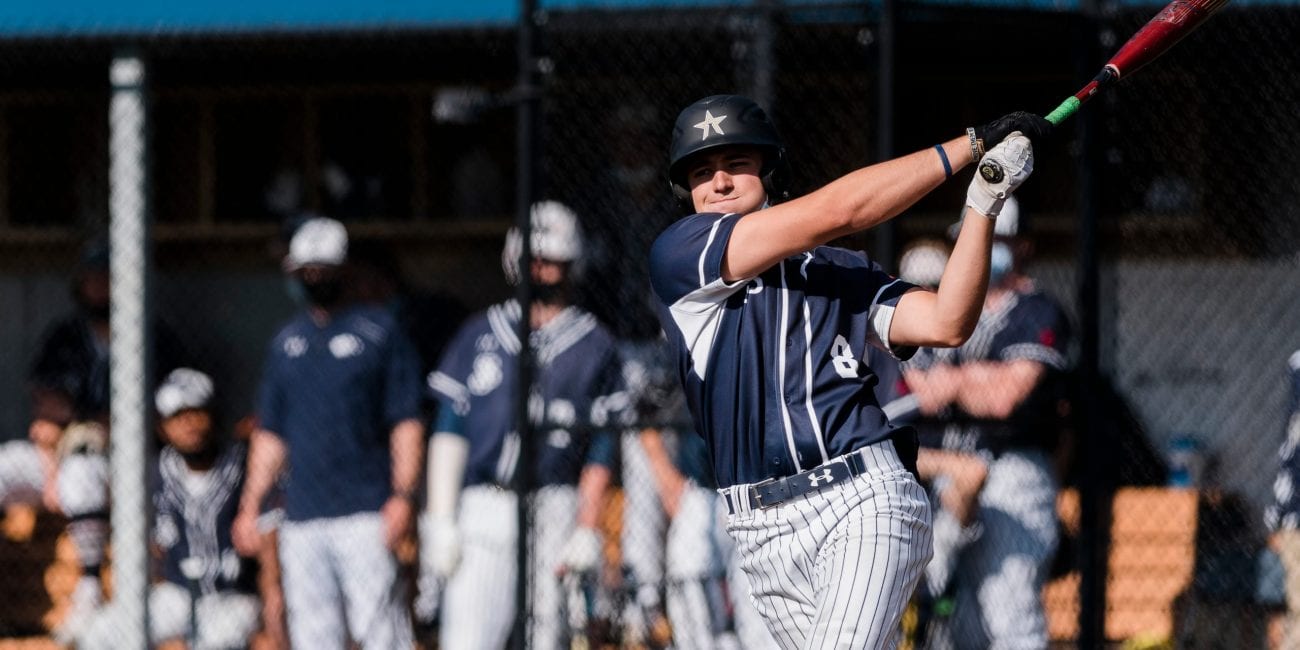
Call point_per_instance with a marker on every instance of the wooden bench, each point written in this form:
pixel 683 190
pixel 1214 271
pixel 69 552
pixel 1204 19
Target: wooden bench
pixel 1151 562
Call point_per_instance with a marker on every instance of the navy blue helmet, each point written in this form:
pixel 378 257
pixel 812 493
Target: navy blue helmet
pixel 722 120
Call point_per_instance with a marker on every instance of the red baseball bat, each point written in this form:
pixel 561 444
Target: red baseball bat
pixel 1175 21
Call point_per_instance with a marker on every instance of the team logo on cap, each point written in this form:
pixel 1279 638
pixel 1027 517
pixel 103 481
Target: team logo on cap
pixel 710 123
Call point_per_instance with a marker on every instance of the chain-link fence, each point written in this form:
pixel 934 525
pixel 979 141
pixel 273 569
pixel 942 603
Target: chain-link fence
pixel 349 472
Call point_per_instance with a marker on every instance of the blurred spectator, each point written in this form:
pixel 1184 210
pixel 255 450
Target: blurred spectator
pixel 469 535
pixel 1283 515
pixel 1000 394
pixel 69 381
pixel 666 478
pixel 339 412
pixel 205 591
pixel 953 477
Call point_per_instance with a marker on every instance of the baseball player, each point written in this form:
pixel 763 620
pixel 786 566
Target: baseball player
pixel 69 382
pixel 674 536
pixel 339 409
pixel 771 329
pixel 998 394
pixel 469 532
pixel 1282 517
pixel 206 592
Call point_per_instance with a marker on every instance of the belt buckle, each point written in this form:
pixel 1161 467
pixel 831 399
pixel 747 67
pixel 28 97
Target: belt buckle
pixel 757 495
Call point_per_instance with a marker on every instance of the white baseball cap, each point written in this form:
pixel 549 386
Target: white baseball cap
pixel 184 388
pixel 1007 224
pixel 319 241
pixel 923 263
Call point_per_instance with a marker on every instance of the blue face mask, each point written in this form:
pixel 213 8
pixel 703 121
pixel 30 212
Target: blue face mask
pixel 1000 261
pixel 294 288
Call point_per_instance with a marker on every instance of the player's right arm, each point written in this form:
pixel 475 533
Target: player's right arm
pixel 266 456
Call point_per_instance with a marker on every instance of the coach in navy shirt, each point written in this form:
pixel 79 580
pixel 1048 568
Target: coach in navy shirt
pixel 339 410
pixel 771 327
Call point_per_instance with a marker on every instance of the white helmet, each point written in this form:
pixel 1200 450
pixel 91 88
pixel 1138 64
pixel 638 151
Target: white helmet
pixel 556 237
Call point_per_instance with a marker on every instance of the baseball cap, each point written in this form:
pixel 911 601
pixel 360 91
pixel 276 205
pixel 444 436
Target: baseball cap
pixel 923 263
pixel 319 241
pixel 1007 224
pixel 184 388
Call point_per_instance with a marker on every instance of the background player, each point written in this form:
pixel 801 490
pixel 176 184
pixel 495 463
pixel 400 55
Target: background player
pixel 1282 517
pixel 1000 394
pixel 339 409
pixel 470 535
pixel 771 328
pixel 707 595
pixel 199 478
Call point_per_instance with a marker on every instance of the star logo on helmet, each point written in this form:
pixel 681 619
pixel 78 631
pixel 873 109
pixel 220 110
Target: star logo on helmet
pixel 710 122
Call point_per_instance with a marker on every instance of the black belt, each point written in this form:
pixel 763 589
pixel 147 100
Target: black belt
pixel 775 491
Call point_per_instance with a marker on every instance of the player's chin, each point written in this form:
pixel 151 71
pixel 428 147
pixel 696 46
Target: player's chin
pixel 729 204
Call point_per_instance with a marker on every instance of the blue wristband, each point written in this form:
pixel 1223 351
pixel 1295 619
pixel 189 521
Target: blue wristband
pixel 943 157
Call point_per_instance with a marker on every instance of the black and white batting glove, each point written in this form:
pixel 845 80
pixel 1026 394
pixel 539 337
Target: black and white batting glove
pixel 1000 172
pixel 984 138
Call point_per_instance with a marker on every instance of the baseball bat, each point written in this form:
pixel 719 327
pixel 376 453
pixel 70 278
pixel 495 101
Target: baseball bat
pixel 1175 21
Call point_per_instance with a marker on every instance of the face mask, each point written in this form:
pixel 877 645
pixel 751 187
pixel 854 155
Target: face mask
pixel 293 287
pixel 323 293
pixel 1000 261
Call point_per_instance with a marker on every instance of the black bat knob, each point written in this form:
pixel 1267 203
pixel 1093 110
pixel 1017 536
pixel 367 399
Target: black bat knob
pixel 991 171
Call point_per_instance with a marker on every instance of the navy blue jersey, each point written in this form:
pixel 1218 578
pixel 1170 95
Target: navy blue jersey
pixel 333 393
pixel 1284 512
pixel 773 366
pixel 576 384
pixel 194 512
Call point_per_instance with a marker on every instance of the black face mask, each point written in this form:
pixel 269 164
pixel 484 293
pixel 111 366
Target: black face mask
pixel 551 294
pixel 323 293
pixel 202 458
pixel 96 312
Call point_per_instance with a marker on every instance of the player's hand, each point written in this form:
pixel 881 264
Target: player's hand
pixel 999 173
pixel 1029 125
pixel 583 550
pixel 244 533
pixel 440 546
pixel 398 517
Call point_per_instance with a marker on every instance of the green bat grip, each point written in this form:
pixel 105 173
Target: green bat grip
pixel 1065 110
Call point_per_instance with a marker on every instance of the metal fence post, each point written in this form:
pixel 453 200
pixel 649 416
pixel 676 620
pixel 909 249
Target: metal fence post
pixel 129 346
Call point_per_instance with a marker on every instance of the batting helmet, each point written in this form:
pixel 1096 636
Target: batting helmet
pixel 722 120
pixel 556 237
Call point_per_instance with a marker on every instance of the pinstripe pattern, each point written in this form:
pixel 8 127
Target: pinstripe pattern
pixel 835 569
pixel 479 602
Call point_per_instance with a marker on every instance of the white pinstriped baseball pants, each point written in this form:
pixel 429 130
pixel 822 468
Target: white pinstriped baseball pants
pixel 835 568
pixel 478 604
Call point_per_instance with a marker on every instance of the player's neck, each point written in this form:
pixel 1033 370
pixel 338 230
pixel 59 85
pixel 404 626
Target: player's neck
pixel 542 313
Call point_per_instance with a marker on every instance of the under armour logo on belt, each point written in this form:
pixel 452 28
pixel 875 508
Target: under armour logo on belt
pixel 826 475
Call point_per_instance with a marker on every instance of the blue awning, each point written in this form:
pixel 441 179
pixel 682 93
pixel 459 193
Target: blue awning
pixel 161 17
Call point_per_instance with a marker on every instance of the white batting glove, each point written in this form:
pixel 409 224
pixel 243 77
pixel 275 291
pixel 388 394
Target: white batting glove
pixel 440 551
pixel 583 550
pixel 1000 172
